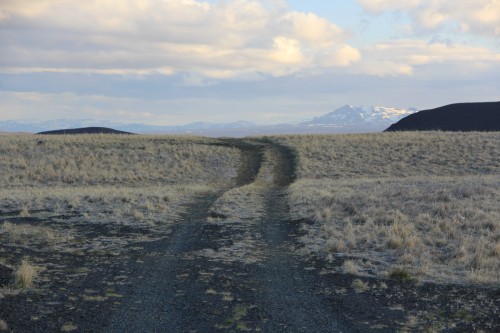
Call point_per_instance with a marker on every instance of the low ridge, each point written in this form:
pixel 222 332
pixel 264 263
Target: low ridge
pixel 85 130
pixel 465 117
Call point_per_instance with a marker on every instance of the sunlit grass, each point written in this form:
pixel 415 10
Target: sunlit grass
pixel 423 202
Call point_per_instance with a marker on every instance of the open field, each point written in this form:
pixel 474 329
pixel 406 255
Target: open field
pixel 353 233
pixel 142 182
pixel 67 203
pixel 422 205
pixel 88 160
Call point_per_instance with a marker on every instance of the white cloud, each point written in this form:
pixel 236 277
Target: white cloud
pixel 478 16
pixel 221 40
pixel 287 51
pixel 177 111
pixel 314 30
pixel 402 57
pixel 344 56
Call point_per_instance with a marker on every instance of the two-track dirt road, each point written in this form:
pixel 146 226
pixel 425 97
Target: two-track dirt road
pixel 231 272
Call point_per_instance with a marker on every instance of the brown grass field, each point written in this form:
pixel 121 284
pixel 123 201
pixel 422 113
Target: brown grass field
pixel 102 181
pixel 424 205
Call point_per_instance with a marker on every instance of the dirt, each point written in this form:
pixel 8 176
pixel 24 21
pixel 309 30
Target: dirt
pixel 216 271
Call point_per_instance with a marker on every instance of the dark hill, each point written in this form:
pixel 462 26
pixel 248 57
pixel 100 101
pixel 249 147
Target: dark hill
pixel 464 117
pixel 86 130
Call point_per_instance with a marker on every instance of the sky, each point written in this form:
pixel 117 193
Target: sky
pixel 171 62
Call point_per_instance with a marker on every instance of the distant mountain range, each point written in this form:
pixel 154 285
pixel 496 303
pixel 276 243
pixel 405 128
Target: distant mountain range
pixel 369 116
pixel 454 117
pixel 347 119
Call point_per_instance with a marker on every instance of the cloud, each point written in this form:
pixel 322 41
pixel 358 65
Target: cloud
pixel 168 111
pixel 402 57
pixel 314 30
pixel 478 17
pixel 241 38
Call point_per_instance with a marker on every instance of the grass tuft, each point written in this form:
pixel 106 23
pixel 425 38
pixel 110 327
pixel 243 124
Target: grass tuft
pixel 68 327
pixel 360 286
pixel 24 212
pixel 350 267
pixel 400 274
pixel 25 275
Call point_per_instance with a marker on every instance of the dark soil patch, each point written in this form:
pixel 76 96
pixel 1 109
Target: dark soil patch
pixel 6 274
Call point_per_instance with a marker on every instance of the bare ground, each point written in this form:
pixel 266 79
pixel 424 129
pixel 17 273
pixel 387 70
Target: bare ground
pixel 217 271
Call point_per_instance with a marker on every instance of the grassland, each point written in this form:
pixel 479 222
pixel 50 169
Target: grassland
pixel 91 160
pixel 124 228
pixel 419 206
pixel 96 194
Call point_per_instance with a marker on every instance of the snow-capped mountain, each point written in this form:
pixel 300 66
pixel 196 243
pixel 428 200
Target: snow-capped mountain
pixel 361 116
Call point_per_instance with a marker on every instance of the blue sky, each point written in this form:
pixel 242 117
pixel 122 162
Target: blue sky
pixel 177 61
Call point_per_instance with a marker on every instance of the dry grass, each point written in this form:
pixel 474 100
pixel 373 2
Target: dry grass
pixel 427 202
pixel 68 327
pixel 359 286
pixel 26 233
pixel 25 275
pixel 52 194
pixel 134 178
pixel 394 155
pixel 86 160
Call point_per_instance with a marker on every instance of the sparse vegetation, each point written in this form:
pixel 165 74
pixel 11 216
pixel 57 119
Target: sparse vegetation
pixel 25 274
pixel 360 286
pixel 425 201
pixel 86 198
pixel 402 207
pixel 68 327
pixel 400 273
pixel 90 160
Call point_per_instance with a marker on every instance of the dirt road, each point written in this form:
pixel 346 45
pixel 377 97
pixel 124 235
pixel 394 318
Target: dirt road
pixel 231 273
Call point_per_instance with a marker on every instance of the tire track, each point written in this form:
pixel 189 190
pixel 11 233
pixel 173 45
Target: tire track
pixel 230 265
pixel 164 289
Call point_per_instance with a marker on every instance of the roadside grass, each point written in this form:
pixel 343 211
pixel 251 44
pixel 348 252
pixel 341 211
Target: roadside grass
pixel 89 160
pixel 75 194
pixel 134 178
pixel 423 203
pixel 395 155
